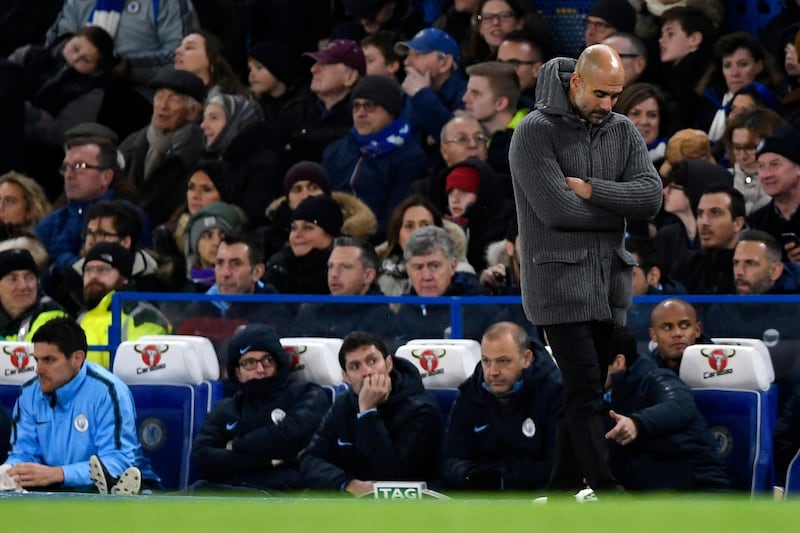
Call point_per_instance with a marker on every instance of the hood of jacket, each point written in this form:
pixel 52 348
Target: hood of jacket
pixel 359 220
pixel 552 85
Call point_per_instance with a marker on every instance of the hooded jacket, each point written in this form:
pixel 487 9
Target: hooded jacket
pixel 397 441
pixel 674 449
pixel 574 264
pixel 515 435
pixel 254 438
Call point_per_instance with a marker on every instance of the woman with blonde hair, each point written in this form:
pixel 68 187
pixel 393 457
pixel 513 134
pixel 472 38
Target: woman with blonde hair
pixel 23 202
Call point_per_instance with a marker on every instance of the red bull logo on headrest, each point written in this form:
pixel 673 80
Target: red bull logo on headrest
pixel 429 360
pixel 19 358
pixel 151 356
pixel 295 353
pixel 718 361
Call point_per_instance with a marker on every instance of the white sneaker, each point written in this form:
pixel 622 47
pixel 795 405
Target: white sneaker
pixel 540 500
pixel 129 483
pixel 97 470
pixel 586 495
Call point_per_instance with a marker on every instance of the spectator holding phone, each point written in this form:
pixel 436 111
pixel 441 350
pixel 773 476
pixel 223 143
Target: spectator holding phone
pixel 779 173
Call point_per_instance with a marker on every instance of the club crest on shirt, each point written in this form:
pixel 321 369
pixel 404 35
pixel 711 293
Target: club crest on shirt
pixel 81 423
pixel 277 415
pixel 528 428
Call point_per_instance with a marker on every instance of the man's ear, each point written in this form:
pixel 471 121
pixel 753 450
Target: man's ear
pixel 370 275
pixel 653 276
pixel 619 364
pixel 258 270
pixel 501 104
pixel 695 40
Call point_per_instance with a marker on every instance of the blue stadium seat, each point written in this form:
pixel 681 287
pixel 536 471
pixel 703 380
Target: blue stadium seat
pixel 17 366
pixel 172 398
pixel 443 364
pixel 733 390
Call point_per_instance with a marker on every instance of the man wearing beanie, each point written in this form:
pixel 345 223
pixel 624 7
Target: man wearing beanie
pixel 321 114
pixel 107 269
pixel 379 159
pixel 779 174
pixel 302 266
pixel 607 17
pixel 254 438
pixel 23 307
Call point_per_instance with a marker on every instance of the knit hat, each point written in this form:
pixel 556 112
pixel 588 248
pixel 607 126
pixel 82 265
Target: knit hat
pixel 430 40
pixel 216 215
pixel 279 58
pixel 254 338
pixel 620 14
pixel 464 178
pixel 686 144
pixel 382 90
pixel 341 51
pixel 112 253
pixel 220 175
pixel 784 141
pixel 180 81
pixel 322 211
pixel 17 259
pixel 309 171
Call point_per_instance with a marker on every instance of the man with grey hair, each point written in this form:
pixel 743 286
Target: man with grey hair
pixel 431 265
pixel 633 53
pixel 353 269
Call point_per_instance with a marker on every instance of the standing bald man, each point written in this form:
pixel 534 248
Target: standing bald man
pixel 579 171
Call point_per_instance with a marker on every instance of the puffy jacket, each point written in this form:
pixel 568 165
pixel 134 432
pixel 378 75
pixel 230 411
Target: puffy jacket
pixel 515 435
pixel 25 325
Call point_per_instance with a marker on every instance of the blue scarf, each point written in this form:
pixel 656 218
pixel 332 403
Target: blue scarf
pixel 106 14
pixel 389 138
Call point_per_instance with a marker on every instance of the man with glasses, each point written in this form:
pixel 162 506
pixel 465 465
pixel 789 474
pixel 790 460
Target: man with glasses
pixel 607 17
pixel 91 173
pixel 254 438
pixel 433 81
pixel 379 159
pixel 633 53
pixel 107 269
pixel 110 221
pixel 521 50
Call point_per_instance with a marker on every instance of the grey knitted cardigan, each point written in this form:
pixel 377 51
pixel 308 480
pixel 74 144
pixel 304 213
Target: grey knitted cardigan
pixel 574 264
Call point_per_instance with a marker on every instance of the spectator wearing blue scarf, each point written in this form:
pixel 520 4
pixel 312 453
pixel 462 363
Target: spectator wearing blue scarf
pixel 378 159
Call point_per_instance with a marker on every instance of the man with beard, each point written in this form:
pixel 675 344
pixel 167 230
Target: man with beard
pixel 107 269
pixel 253 439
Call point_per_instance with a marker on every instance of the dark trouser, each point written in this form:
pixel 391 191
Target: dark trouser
pixel 582 352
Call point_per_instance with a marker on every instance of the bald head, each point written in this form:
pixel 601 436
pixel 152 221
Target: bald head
pixel 597 82
pixel 673 327
pixel 461 138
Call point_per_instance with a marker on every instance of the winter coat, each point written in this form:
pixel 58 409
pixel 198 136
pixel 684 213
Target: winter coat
pixel 397 441
pixel 515 435
pixel 574 264
pixel 706 272
pixel 290 274
pixel 674 449
pixel 339 319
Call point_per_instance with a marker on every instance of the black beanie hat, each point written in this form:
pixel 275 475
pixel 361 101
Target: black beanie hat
pixel 255 338
pixel 307 171
pixel 322 211
pixel 382 90
pixel 17 259
pixel 279 58
pixel 112 253
pixel 618 13
pixel 784 141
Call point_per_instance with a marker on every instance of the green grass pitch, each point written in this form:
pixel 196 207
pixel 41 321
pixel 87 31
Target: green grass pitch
pixel 674 514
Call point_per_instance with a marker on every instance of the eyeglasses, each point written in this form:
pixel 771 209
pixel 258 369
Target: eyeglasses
pixel 367 105
pixel 597 24
pixel 251 363
pixel 516 63
pixel 80 165
pixel 628 56
pixel 100 270
pixel 491 18
pixel 99 235
pixel 466 139
pixel 746 149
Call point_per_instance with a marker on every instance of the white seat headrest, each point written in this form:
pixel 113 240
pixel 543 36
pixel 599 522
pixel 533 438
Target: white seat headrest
pixel 724 366
pixel 441 366
pixel 314 359
pixel 760 347
pixel 202 346
pixel 472 345
pixel 17 364
pixel 149 362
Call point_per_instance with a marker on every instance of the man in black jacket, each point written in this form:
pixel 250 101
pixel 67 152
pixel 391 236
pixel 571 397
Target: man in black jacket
pixel 502 429
pixel 253 439
pixel 659 441
pixel 386 429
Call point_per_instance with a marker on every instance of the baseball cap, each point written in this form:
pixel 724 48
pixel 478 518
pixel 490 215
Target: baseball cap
pixel 430 40
pixel 341 51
